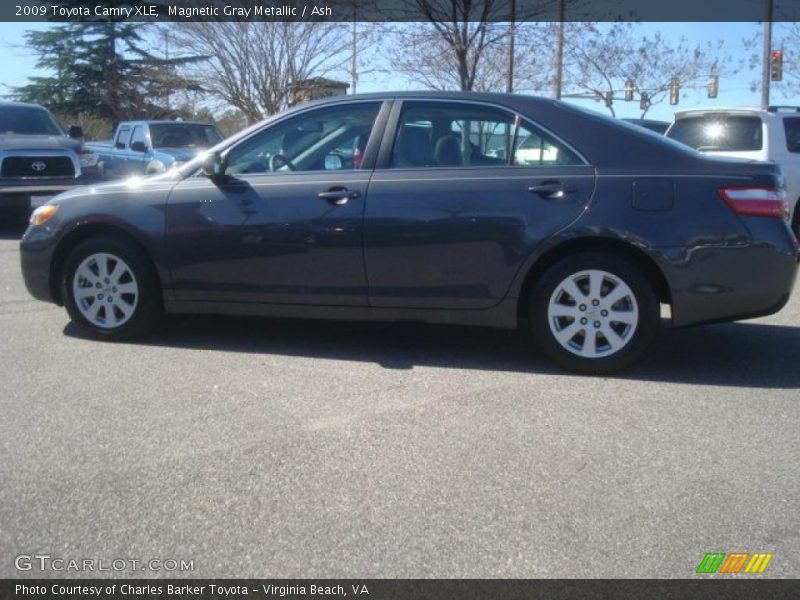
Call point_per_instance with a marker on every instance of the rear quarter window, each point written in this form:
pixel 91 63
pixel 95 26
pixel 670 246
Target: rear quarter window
pixel 791 125
pixel 722 133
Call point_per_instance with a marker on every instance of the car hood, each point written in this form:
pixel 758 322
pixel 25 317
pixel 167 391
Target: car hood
pixel 131 186
pixel 38 142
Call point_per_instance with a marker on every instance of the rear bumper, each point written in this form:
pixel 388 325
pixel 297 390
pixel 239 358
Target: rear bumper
pixel 715 284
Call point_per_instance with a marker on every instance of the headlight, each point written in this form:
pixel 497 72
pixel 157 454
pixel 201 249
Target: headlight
pixel 43 214
pixel 88 159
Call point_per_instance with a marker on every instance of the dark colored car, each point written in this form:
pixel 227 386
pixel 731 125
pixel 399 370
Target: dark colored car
pixel 442 207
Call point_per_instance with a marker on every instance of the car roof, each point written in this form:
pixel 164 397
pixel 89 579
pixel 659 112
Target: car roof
pixel 166 122
pixel 504 99
pixel 9 104
pixel 744 110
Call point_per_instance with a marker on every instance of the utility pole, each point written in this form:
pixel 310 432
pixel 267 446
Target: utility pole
pixel 511 34
pixel 354 59
pixel 559 66
pixel 766 54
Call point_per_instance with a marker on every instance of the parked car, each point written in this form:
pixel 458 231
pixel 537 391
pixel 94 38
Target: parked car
pixel 752 133
pixel 37 159
pixel 659 127
pixel 582 243
pixel 148 147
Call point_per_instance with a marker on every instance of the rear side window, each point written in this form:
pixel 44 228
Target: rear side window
pixel 438 134
pixel 720 133
pixel 122 137
pixel 791 126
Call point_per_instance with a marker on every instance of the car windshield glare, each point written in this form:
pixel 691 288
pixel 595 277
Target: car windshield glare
pixel 719 132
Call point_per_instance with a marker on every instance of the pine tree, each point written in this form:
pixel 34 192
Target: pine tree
pixel 101 68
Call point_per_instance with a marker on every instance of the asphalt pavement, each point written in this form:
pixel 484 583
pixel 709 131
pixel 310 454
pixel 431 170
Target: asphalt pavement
pixel 267 448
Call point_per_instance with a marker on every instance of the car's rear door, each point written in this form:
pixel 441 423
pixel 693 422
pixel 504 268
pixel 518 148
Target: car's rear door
pixel 286 225
pixel 462 194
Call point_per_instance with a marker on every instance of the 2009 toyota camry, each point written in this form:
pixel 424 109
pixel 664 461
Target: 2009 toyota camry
pixel 442 207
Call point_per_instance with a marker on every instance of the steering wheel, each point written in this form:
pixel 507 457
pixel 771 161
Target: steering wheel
pixel 278 161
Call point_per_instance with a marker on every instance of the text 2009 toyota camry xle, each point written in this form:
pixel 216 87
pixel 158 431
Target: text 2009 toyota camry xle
pixel 442 207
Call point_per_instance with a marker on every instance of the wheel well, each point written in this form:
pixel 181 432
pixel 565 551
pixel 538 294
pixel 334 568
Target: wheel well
pixel 624 250
pixel 80 234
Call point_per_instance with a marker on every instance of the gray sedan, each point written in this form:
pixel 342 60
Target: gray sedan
pixel 494 210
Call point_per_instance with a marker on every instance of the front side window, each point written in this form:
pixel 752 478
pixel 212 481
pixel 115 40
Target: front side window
pixel 437 134
pixel 122 137
pixel 138 135
pixel 332 139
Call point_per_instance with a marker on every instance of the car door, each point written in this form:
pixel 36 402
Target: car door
pixel 462 194
pixel 116 165
pixel 286 223
pixel 138 151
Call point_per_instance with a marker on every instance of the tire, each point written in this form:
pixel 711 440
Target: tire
pixel 590 333
pixel 110 290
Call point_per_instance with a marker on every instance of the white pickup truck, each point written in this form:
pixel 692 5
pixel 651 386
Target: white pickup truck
pixel 771 135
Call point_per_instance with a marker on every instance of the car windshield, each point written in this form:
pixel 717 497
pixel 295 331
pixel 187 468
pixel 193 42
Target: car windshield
pixel 25 120
pixel 183 135
pixel 719 132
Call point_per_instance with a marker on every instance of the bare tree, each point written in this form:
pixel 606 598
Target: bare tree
pixel 603 58
pixel 255 66
pixel 449 49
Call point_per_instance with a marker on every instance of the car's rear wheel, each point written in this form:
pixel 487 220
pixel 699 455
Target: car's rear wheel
pixel 593 313
pixel 109 289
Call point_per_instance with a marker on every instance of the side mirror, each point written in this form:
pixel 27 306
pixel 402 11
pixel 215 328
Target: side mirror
pixel 75 131
pixel 138 146
pixel 214 166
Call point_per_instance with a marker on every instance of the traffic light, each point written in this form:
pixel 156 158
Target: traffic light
pixel 644 101
pixel 628 90
pixel 777 65
pixel 674 91
pixel 713 86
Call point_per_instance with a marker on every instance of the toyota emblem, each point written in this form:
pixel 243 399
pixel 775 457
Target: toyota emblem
pixel 38 165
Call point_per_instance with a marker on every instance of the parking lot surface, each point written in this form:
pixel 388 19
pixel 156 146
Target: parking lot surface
pixel 265 448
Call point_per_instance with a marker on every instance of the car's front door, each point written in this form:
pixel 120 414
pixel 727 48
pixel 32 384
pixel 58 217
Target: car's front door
pixel 461 196
pixel 285 225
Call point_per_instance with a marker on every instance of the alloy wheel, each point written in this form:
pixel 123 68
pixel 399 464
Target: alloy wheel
pixel 593 313
pixel 105 290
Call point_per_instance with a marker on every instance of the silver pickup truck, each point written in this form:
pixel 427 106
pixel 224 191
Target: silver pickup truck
pixel 37 158
pixel 147 147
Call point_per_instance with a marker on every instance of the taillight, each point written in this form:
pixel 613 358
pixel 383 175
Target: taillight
pixel 756 201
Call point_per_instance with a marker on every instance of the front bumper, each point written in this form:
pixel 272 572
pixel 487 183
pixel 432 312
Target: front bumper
pixel 36 258
pixel 20 191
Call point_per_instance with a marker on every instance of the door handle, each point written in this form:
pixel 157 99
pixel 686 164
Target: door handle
pixel 553 189
pixel 338 195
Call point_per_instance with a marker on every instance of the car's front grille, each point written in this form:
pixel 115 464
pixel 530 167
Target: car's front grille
pixel 37 166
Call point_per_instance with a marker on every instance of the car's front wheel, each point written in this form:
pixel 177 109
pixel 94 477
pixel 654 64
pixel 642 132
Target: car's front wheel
pixel 594 313
pixel 109 289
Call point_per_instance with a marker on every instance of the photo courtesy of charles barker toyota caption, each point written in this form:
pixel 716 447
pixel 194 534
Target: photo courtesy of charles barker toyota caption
pixel 469 208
